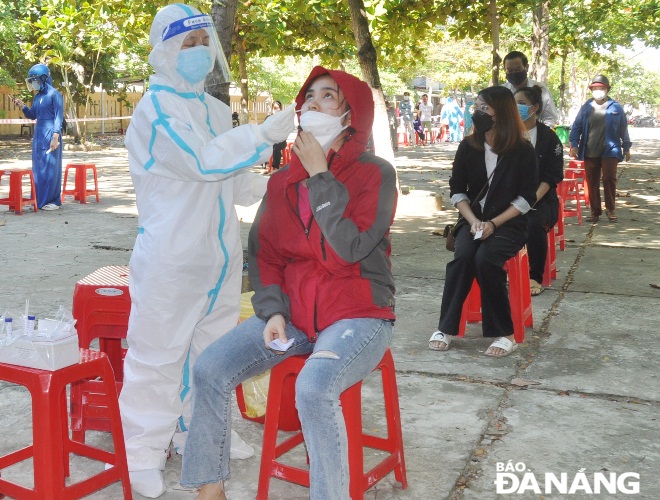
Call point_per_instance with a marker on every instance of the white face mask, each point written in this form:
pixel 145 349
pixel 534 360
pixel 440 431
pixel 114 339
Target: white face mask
pixel 325 128
pixel 599 94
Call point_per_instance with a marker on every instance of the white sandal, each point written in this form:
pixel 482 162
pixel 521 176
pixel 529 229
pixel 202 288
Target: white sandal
pixel 438 336
pixel 502 343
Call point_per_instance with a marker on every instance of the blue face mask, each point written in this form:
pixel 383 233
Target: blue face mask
pixel 195 63
pixel 524 111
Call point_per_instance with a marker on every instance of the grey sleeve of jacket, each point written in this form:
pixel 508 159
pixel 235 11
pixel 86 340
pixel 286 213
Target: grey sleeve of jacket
pixel 328 198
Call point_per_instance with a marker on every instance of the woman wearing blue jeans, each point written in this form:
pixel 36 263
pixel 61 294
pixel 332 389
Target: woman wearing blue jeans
pixel 319 263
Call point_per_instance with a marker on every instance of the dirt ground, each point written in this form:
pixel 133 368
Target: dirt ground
pixel 580 394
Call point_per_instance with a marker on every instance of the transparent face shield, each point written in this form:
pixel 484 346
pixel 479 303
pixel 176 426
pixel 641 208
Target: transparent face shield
pixel 33 82
pixel 202 21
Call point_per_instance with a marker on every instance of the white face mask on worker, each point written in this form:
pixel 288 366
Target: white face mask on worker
pixel 325 128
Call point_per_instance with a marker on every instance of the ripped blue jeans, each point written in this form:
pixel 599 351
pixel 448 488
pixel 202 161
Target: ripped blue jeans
pixel 344 353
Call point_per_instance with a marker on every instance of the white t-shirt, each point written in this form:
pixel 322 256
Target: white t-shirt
pixel 425 112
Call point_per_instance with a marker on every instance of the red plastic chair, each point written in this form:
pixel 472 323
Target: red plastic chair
pixel 80 191
pixel 51 443
pixel 351 403
pixel 520 298
pixel 575 170
pixel 15 200
pixel 567 190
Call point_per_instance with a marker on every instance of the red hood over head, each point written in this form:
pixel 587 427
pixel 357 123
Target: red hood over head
pixel 360 100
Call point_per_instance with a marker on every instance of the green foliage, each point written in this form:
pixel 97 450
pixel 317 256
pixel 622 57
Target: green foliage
pixel 280 77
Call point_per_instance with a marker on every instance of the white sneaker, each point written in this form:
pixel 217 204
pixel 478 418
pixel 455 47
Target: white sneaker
pixel 239 449
pixel 148 483
pixel 50 206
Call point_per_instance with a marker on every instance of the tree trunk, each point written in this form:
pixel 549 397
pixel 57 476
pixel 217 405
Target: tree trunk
pixel 367 58
pixel 540 42
pixel 223 14
pixel 494 19
pixel 562 83
pixel 242 71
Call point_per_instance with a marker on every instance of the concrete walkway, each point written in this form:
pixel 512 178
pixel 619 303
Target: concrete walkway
pixel 580 398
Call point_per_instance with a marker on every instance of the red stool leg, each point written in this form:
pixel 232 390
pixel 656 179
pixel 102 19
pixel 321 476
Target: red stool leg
pixel 16 191
pixel 81 183
pixel 33 192
pixel 560 220
pixel 471 312
pixel 550 270
pixel 393 415
pixel 269 452
pixel 96 185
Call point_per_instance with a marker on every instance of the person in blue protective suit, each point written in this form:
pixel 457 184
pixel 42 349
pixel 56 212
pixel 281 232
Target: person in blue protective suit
pixel 189 168
pixel 452 115
pixel 48 109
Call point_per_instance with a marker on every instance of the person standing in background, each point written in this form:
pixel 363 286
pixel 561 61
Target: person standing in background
pixel 280 146
pixel 393 122
pixel 406 113
pixel 48 109
pixel 425 115
pixel 599 136
pixel 516 67
pixel 452 115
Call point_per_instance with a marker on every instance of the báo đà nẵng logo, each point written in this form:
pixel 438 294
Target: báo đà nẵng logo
pixel 517 479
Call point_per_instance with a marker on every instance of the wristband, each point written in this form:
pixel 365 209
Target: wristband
pixel 494 226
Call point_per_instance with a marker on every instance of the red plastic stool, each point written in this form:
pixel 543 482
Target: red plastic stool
pixel 402 138
pixel 550 270
pixel 351 403
pixel 51 443
pixel 575 170
pixel 80 192
pixel 567 190
pixel 101 307
pixel 15 199
pixel 520 298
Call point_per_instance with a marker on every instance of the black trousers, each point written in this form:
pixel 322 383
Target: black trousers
pixel 483 260
pixel 540 220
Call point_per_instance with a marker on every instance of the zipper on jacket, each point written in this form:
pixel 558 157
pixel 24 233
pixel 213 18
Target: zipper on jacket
pixel 297 212
pixel 325 256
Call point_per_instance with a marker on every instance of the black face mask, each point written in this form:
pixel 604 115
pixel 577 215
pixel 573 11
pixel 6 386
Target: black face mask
pixel 516 78
pixel 483 122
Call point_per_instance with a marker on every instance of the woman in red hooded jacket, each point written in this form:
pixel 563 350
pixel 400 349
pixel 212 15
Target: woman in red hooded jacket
pixel 319 262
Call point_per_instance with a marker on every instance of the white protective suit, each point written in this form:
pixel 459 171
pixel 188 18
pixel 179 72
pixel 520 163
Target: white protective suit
pixel 188 169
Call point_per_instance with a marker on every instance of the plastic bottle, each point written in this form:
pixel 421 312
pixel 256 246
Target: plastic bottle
pixel 29 326
pixel 8 326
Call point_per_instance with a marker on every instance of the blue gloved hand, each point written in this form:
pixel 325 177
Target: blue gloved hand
pixel 277 127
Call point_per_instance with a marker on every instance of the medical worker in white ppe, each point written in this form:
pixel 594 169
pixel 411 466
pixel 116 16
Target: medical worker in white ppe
pixel 188 167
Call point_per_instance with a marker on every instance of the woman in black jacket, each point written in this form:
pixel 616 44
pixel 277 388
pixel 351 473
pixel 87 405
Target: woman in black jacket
pixel 493 185
pixel 550 153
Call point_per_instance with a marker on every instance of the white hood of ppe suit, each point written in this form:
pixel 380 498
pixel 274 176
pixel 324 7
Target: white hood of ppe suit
pixel 163 56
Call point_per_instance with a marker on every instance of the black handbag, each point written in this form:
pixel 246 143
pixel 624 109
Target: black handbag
pixel 448 233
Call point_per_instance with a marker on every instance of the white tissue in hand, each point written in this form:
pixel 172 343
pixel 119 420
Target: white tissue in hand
pixel 278 345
